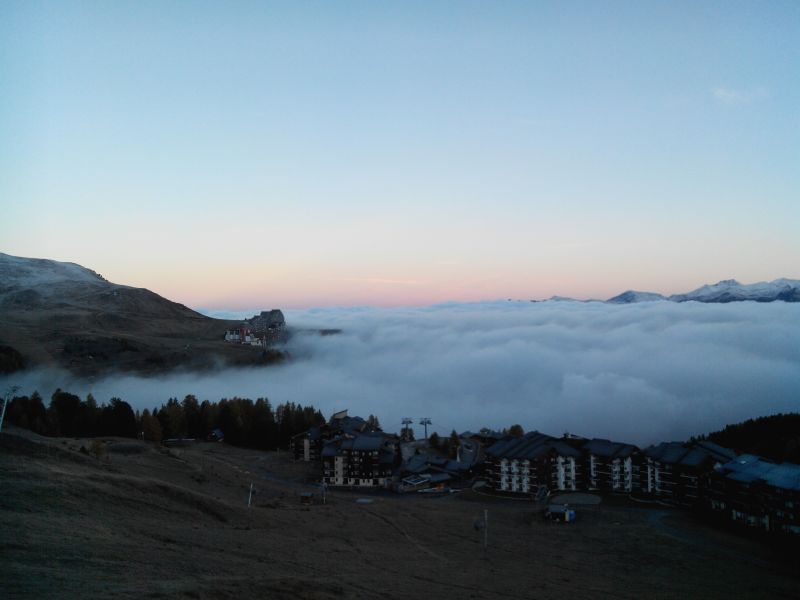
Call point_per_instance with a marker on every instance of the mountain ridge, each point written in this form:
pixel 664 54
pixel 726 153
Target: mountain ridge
pixel 724 291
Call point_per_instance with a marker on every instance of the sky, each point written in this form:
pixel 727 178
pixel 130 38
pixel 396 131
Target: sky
pixel 301 154
pixel 640 373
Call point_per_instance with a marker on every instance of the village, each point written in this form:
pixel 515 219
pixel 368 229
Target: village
pixel 744 490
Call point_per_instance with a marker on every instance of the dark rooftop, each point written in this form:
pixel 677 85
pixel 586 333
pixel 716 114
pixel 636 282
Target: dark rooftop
pixel 750 469
pixel 689 455
pixel 609 449
pixel 531 445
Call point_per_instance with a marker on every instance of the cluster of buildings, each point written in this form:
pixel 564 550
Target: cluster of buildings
pixel 357 453
pixel 698 474
pixel 260 330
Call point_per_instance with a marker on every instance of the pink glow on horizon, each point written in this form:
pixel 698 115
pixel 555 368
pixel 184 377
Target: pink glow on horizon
pixel 237 292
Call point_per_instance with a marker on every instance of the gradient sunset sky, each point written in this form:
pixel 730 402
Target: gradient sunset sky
pixel 258 154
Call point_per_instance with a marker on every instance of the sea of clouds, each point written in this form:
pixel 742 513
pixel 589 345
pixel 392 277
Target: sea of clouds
pixel 640 373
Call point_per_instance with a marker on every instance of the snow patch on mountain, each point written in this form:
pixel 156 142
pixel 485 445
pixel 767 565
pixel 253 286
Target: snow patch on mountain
pixel 632 297
pixel 17 272
pixel 730 290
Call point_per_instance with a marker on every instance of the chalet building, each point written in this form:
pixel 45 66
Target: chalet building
pixel 756 493
pixel 672 471
pixel 260 330
pixel 243 335
pixel 611 466
pixel 424 470
pixel 525 465
pixel 363 460
pixel 307 446
pixel 426 463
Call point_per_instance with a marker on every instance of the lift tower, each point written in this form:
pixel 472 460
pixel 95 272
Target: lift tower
pixel 425 421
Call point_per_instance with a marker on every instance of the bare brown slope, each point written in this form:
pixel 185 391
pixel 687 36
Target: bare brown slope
pixel 150 523
pixel 61 314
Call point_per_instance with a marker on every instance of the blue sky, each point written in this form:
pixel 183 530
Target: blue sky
pixel 367 153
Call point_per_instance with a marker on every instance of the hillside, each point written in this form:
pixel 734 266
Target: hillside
pixel 776 437
pixel 144 521
pixel 62 314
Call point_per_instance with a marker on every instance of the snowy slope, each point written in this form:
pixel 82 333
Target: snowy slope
pixel 730 290
pixel 35 284
pixel 19 272
pixel 632 297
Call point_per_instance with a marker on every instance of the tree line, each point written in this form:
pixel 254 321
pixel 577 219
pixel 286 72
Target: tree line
pixel 241 421
pixel 776 437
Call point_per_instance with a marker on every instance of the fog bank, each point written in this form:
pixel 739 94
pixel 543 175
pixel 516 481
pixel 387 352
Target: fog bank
pixel 640 373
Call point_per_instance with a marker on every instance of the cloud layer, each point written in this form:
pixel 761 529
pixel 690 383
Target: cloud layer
pixel 640 373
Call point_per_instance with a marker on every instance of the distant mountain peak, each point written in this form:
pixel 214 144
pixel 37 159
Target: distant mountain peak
pixel 727 290
pixel 633 296
pixel 730 290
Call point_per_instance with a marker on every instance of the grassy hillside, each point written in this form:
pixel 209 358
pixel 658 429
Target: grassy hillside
pixel 141 521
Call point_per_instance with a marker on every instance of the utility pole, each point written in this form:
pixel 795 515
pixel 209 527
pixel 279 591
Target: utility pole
pixel 6 400
pixel 250 496
pixel 425 421
pixel 485 532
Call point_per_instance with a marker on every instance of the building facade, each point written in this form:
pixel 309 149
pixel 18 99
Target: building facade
pixel 611 466
pixel 529 464
pixel 674 472
pixel 307 446
pixel 243 335
pixel 362 460
pixel 756 493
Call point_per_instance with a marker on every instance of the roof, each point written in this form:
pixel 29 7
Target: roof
pixel 312 434
pixel 483 433
pixel 367 442
pixel 609 449
pixel 421 463
pixel 332 448
pixel 667 452
pixel 689 455
pixel 750 469
pixel 717 451
pixel 695 457
pixel 351 424
pixel 415 480
pixel 359 442
pixel 529 446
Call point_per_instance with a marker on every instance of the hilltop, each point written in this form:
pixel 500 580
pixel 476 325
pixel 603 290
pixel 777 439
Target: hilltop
pixel 64 315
